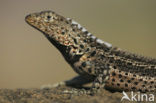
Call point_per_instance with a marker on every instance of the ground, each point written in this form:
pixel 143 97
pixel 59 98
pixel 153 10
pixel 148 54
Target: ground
pixel 55 95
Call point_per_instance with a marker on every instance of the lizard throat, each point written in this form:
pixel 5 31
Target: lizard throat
pixel 65 51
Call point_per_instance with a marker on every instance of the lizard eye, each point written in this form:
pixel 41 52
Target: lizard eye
pixel 48 17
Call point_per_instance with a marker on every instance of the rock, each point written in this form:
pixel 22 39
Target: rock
pixel 56 95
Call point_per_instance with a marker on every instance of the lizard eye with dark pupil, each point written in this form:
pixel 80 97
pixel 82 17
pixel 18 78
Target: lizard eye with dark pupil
pixel 48 17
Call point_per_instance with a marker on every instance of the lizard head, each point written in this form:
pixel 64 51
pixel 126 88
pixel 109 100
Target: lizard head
pixel 62 32
pixel 53 26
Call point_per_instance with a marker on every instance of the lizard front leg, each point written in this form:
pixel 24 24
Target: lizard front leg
pixel 98 84
pixel 100 80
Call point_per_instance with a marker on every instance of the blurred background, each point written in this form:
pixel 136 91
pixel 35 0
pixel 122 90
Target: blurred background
pixel 28 60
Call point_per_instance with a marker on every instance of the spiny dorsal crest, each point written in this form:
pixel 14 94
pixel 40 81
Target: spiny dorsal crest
pixel 84 30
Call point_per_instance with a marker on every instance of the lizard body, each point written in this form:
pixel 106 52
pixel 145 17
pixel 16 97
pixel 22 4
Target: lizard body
pixel 94 59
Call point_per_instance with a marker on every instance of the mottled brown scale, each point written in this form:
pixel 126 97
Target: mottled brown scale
pixel 130 82
pixel 93 58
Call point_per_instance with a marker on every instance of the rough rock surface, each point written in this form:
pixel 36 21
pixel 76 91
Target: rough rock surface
pixel 55 95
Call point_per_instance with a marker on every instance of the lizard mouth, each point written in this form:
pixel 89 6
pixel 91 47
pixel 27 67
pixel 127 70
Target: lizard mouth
pixel 30 19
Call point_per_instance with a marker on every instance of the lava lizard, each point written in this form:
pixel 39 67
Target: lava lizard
pixel 95 60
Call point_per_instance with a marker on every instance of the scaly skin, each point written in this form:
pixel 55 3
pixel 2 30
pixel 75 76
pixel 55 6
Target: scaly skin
pixel 94 59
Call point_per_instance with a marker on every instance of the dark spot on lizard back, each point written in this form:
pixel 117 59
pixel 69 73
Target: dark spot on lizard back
pixel 152 82
pixel 150 86
pixel 133 88
pixel 93 53
pixel 111 60
pixel 81 46
pixel 113 74
pixel 113 80
pixel 134 75
pixel 121 80
pixel 140 79
pixel 120 76
pixel 118 84
pixel 87 49
pixel 75 41
pixel 73 30
pixel 80 51
pixel 126 73
pixel 85 40
pixel 132 78
pixel 146 90
pixel 140 90
pixel 129 81
pixel 136 83
pixel 114 67
pixel 126 85
pixel 143 85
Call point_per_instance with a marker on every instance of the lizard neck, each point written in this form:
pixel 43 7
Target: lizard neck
pixel 80 41
pixel 65 51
